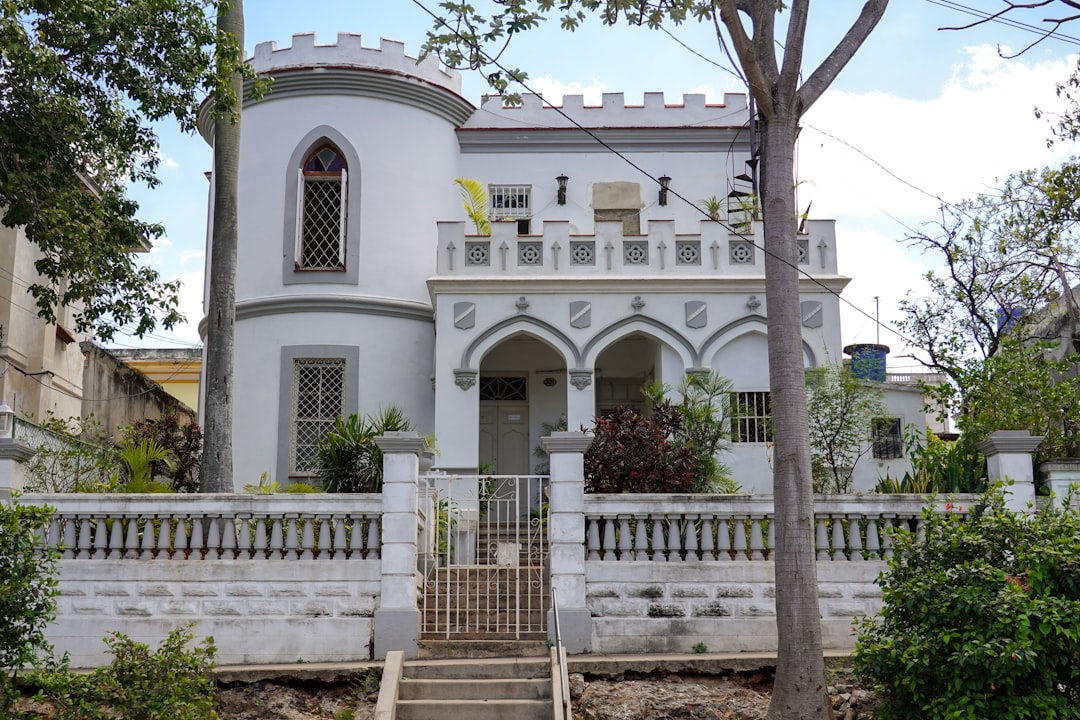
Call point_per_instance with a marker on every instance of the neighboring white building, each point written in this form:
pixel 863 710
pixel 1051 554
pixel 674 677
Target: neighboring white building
pixel 360 284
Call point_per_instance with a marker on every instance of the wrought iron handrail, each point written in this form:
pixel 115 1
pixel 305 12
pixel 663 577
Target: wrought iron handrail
pixel 560 678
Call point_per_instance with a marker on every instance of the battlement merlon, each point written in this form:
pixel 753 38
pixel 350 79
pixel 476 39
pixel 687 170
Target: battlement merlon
pixel 614 112
pixel 349 52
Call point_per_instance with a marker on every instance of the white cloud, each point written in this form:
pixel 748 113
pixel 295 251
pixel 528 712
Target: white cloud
pixel 189 255
pixel 979 128
pixel 161 243
pixel 553 90
pixel 191 307
pixel 885 158
pixel 169 162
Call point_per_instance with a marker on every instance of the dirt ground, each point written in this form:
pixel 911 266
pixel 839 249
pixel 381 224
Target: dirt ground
pixel 675 696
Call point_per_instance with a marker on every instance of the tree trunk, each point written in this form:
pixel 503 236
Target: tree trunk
pixel 799 690
pixel 217 466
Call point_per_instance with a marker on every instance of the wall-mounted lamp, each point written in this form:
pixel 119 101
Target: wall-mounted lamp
pixel 7 422
pixel 665 181
pixel 562 179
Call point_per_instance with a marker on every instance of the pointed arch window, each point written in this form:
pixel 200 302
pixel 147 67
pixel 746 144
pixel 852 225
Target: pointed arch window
pixel 322 193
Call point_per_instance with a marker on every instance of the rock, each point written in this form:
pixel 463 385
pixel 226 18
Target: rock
pixel 577 685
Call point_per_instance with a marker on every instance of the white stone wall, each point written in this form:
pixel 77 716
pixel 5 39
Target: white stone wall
pixel 649 607
pixel 258 612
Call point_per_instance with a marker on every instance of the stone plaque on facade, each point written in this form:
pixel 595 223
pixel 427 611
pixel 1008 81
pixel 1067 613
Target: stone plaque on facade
pixel 580 314
pixel 696 315
pixel 464 315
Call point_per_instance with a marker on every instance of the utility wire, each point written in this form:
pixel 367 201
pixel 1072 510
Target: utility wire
pixel 631 163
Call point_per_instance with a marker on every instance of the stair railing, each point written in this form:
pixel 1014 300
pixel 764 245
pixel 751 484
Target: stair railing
pixel 560 680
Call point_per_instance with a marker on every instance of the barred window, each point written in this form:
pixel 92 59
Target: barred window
pixel 503 388
pixel 318 397
pixel 321 201
pixel 888 438
pixel 751 417
pixel 510 201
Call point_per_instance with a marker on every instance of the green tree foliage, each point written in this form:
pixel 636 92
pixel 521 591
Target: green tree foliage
pixel 347 458
pixel 704 402
pixel 81 83
pixel 1001 320
pixel 841 411
pixel 27 589
pixel 979 617
pixel 172 682
pixel 184 442
pixel 635 453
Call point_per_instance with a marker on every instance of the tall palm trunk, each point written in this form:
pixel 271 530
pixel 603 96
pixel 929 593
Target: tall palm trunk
pixel 217 465
pixel 800 671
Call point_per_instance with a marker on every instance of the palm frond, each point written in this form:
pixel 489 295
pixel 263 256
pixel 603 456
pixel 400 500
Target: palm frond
pixel 475 200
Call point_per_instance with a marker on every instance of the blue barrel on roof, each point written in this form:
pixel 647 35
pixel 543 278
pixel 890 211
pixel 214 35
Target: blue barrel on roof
pixel 868 361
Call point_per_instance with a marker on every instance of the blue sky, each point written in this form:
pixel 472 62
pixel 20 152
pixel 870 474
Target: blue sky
pixel 921 108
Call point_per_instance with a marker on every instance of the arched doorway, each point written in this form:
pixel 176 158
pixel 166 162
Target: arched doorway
pixel 522 398
pixel 629 364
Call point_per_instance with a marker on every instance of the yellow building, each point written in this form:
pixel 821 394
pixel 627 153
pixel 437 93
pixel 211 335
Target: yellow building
pixel 175 369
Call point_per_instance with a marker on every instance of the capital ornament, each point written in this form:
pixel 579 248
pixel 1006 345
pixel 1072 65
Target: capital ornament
pixel 581 379
pixel 465 378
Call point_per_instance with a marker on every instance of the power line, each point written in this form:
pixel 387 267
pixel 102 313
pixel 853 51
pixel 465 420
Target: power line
pixel 497 64
pixel 640 169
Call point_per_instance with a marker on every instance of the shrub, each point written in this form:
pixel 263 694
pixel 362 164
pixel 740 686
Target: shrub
pixel 938 466
pixel 170 683
pixel 27 588
pixel 705 427
pixel 634 453
pixel 347 458
pixel 979 617
pixel 182 440
pixel 68 454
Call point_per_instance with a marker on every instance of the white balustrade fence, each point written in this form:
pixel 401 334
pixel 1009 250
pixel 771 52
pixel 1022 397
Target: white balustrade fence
pixel 210 527
pixel 722 528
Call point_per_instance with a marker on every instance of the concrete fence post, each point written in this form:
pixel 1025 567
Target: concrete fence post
pixel 1008 457
pixel 12 455
pixel 566 535
pixel 1063 475
pixel 397 619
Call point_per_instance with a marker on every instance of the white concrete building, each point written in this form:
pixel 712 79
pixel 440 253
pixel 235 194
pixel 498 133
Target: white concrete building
pixel 360 284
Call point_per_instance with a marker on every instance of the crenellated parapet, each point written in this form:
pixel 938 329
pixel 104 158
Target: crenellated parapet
pixel 609 253
pixel 613 112
pixel 349 52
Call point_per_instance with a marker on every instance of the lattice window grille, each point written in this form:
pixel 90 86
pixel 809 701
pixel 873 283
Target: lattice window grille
pixel 741 252
pixel 751 417
pixel 688 252
pixel 503 388
pixel 635 252
pixel 804 250
pixel 320 234
pixel 582 252
pixel 530 253
pixel 510 201
pixel 477 253
pixel 318 398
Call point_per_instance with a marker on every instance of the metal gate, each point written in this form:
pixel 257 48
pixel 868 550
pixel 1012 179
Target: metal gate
pixel 485 553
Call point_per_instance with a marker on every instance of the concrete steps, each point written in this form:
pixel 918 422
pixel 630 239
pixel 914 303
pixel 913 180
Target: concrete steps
pixel 482 645
pixel 491 689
